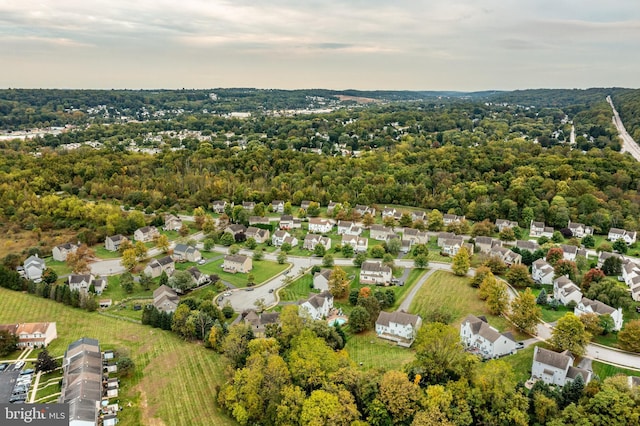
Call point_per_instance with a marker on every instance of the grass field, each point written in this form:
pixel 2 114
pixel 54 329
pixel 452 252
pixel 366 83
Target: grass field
pixel 372 352
pixel 61 268
pixel 606 370
pixel 263 270
pixel 175 381
pixel 103 253
pixel 298 289
pixel 454 295
pixel 49 387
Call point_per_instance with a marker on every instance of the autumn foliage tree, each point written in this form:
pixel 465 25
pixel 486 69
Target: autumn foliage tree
pixel 524 312
pixel 461 262
pixel 338 283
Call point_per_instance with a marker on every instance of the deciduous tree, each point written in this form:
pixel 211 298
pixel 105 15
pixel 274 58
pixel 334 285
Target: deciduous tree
pixel 461 262
pixel 525 313
pixel 570 334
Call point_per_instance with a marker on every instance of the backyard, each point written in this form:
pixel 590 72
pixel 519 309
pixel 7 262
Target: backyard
pixel 372 352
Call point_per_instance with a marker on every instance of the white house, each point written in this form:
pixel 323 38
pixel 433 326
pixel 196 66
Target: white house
pixel 286 222
pixel 450 219
pixel 444 236
pixel 321 279
pixel 198 277
pixel 318 306
pixel 579 230
pixel 157 266
pixel 380 233
pixel 565 291
pixel 186 253
pixel 616 234
pixel 415 236
pixel 312 240
pixel 278 237
pixel 237 263
pixel 218 206
pixel 478 336
pixel 451 247
pixel 32 334
pixel 604 255
pixel 485 244
pixel 503 224
pixel 391 212
pixel 398 326
pixel 172 223
pixel 321 226
pixel 542 272
pixel 114 242
pixel 258 234
pixel 555 368
pixel 374 272
pixel 146 234
pixel 346 227
pixel 277 206
pixel 362 210
pixel 359 244
pixel 80 282
pixel 60 252
pixel 588 306
pixel 34 267
pixel 509 257
pixel 165 299
pixel 528 245
pixel 539 229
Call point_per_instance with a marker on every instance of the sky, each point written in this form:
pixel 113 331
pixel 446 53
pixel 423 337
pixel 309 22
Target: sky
pixel 464 45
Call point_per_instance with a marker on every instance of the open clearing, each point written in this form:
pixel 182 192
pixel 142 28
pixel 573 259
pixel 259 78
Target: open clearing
pixel 175 381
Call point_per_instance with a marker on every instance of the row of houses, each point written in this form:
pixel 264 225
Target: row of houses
pixel 86 385
pixel 32 334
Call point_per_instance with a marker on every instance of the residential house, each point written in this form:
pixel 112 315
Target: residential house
pixel 415 236
pixel 542 272
pixel 292 241
pixel 529 245
pixel 450 219
pixel 218 206
pixel 248 205
pixel 165 299
pixel 99 284
pixel 419 215
pixel 503 224
pixel 321 279
pixel 391 212
pixel 312 240
pixel 32 334
pixel 362 210
pixel 157 266
pixel 572 252
pixel 359 244
pixel 277 206
pixel 146 234
pixel 286 222
pixel 630 270
pixel 80 282
pixel 555 368
pixel 198 277
pixel 478 336
pixel 579 230
pixel 381 233
pixel 259 220
pixel 258 234
pixel 33 268
pixel 348 228
pixel 443 236
pixel 60 252
pixel 398 326
pixel 318 306
pixel 237 263
pixel 635 289
pixel 321 226
pixel 278 237
pixel 616 234
pixel 304 205
pixel 485 244
pixel 186 253
pixel 509 257
pixel 604 255
pixel 114 242
pixel 374 272
pixel 172 223
pixel 331 206
pixel 588 306
pixel 565 291
pixel 450 247
pixel 235 229
pixel 82 387
pixel 539 229
pixel 260 321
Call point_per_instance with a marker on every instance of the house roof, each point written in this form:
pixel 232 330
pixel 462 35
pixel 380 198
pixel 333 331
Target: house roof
pixel 481 328
pixel 147 229
pixel 380 228
pixel 597 306
pixel 195 272
pixel 484 240
pixel 236 228
pixel 573 372
pixel 116 238
pixel 554 359
pixel 286 218
pixel 324 272
pixel 66 246
pixel 537 224
pixel 78 278
pixel 280 234
pixel 34 260
pixel 397 317
pixel 527 245
pixel 164 289
pixel 569 249
pixel 236 258
pixel 374 266
pixel 164 261
pixel 317 300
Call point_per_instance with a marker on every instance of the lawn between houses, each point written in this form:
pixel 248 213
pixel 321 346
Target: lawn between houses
pixel 174 382
pixel 263 270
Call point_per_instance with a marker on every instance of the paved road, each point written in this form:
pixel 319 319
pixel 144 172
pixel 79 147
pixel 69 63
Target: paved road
pixel 628 144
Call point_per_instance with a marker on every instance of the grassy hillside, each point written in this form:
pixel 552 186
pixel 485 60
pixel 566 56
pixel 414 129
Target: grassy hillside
pixel 175 381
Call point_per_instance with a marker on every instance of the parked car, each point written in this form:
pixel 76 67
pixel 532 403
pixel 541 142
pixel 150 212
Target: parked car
pixel 19 365
pixel 202 261
pixel 519 345
pixel 3 366
pixel 270 290
pixel 228 293
pixel 249 288
pixel 17 398
pixel 27 371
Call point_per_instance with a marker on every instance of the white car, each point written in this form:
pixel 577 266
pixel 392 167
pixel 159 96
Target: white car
pixel 202 261
pixel 228 293
pixel 19 365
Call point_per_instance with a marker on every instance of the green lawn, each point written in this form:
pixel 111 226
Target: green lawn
pixel 263 270
pixel 174 382
pixel 61 268
pixel 298 289
pixel 372 352
pixel 115 292
pixel 400 291
pixel 606 370
pixel 521 363
pixel 551 315
pixel 453 294
pixel 49 386
pixel 103 253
